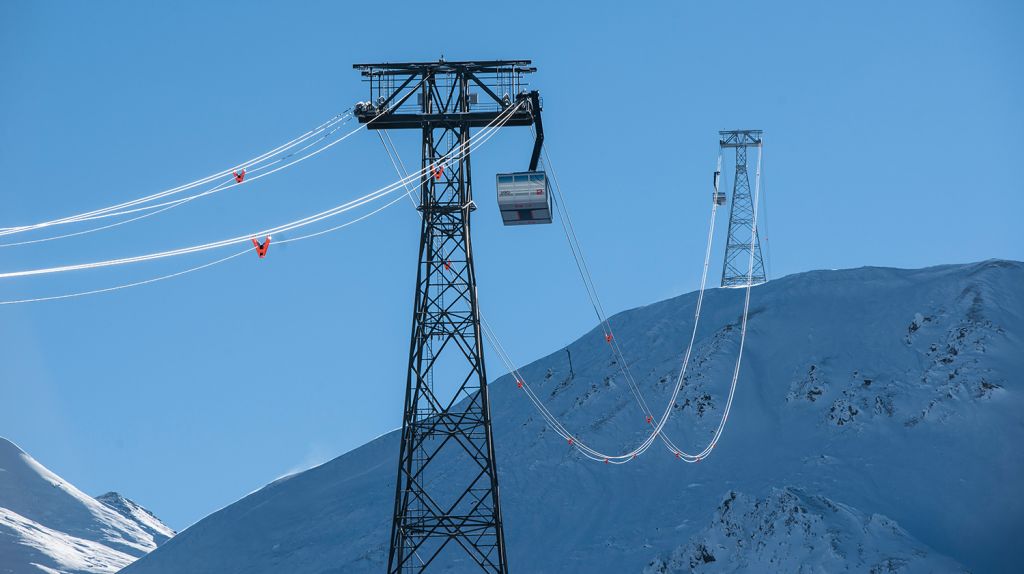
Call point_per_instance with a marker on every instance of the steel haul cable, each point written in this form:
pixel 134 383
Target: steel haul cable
pixel 664 418
pixel 659 427
pixel 84 216
pixel 104 212
pixel 203 266
pixel 181 201
pixel 480 140
pixel 165 206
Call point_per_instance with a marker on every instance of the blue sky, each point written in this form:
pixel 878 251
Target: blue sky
pixel 892 138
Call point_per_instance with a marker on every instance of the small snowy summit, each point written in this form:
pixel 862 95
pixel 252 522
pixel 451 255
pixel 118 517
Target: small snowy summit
pixel 49 526
pixel 132 511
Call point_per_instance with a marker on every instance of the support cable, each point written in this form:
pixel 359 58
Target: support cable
pixel 482 138
pixel 95 214
pixel 231 182
pixel 662 420
pixel 203 266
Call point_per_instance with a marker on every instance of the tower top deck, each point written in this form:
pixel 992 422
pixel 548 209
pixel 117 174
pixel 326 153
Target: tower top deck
pixel 442 66
pixel 739 138
pixel 417 95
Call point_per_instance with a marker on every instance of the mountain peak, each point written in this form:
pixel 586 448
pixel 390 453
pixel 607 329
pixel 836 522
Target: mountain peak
pixel 8 449
pixel 46 521
pixel 136 512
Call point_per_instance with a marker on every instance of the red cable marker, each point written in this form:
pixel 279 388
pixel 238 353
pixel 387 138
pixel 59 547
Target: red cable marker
pixel 437 171
pixel 608 338
pixel 606 461
pixel 519 383
pixel 570 441
pixel 649 419
pixel 448 265
pixel 678 455
pixel 239 176
pixel 261 248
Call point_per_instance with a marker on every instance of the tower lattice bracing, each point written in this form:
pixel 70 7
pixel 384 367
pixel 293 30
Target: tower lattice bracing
pixel 453 518
pixel 742 237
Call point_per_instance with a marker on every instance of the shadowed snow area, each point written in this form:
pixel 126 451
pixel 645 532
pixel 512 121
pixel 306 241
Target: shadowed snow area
pixel 790 531
pixel 48 525
pixel 876 428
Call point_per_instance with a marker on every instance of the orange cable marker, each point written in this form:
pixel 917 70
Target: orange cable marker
pixel 261 248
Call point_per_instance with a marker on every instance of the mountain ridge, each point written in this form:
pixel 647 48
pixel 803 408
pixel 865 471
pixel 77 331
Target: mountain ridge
pixel 49 525
pixel 878 389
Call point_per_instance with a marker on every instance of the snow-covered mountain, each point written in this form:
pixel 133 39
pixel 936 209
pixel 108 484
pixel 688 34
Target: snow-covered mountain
pixel 877 428
pixel 49 526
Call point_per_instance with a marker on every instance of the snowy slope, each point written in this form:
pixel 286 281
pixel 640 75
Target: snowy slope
pixel 48 525
pixel 877 427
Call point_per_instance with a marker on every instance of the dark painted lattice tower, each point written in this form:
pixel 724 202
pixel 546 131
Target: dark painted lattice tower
pixel 742 231
pixel 454 519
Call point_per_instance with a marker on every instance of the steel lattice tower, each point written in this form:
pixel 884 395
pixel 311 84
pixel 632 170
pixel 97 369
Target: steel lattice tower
pixel 742 233
pixel 446 519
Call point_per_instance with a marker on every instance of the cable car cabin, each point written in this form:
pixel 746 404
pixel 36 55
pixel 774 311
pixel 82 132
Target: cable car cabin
pixel 524 198
pixel 719 197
